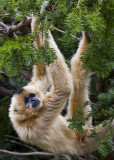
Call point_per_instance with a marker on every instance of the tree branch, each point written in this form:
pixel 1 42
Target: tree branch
pixel 4 29
pixel 6 92
pixel 21 144
pixel 2 25
pixel 12 137
pixel 6 17
pixel 8 83
pixel 39 154
pixel 25 74
pixel 20 25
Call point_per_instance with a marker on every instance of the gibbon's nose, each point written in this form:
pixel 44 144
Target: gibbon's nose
pixel 34 102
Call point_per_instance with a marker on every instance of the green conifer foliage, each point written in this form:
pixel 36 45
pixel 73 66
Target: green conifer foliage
pixel 71 16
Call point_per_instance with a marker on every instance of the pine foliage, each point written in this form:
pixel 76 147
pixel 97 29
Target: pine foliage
pixel 72 16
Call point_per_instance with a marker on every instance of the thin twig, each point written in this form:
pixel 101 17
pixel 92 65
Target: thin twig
pixel 25 74
pixel 16 138
pixel 78 3
pixel 59 30
pixel 21 144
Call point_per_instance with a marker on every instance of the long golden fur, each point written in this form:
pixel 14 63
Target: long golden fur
pixel 43 125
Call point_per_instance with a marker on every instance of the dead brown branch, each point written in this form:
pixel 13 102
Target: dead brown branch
pixel 9 31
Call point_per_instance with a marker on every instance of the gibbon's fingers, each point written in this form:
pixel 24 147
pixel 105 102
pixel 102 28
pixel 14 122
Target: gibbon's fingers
pixel 80 82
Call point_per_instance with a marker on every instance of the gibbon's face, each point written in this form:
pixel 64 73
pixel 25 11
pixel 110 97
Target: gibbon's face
pixel 26 100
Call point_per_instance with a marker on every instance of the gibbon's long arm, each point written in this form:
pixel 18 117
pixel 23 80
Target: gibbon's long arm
pixel 61 82
pixel 57 74
pixel 40 78
pixel 80 77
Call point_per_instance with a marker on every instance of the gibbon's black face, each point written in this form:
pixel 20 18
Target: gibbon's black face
pixel 31 100
pixel 26 99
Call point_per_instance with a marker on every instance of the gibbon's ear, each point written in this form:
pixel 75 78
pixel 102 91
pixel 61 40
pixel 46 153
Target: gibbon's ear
pixel 19 91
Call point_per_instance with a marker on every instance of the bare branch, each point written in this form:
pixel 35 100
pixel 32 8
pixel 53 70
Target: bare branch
pixel 78 3
pixel 8 83
pixel 6 92
pixel 21 144
pixel 4 29
pixel 39 154
pixel 20 25
pixel 16 138
pixel 65 32
pixel 2 25
pixel 6 17
pixel 25 74
pixel 14 34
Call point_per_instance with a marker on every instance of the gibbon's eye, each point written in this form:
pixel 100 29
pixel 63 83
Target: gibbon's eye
pixel 26 100
pixel 32 95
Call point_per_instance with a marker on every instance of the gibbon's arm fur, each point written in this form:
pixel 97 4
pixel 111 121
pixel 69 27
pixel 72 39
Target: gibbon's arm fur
pixel 40 78
pixel 36 116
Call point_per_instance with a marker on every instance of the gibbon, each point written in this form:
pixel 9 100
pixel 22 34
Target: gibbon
pixel 35 113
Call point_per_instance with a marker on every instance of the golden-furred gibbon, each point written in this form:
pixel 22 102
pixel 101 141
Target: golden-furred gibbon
pixel 35 113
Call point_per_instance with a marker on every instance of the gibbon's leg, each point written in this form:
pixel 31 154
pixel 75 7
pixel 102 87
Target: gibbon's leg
pixel 80 82
pixel 40 78
pixel 79 95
